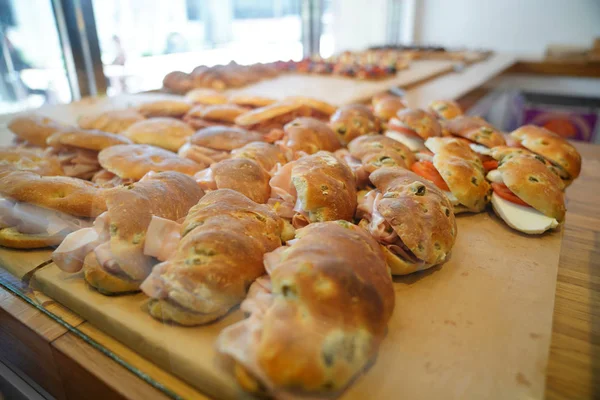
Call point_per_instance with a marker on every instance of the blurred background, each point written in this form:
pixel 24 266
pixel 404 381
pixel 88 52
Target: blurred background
pixel 57 51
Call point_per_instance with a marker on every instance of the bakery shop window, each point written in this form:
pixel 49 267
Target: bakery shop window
pixel 141 41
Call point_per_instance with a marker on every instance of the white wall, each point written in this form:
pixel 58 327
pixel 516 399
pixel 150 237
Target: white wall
pixel 516 26
pixel 358 24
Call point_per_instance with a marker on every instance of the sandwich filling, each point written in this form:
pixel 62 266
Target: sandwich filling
pixel 78 163
pixel 284 198
pixel 202 155
pixel 404 134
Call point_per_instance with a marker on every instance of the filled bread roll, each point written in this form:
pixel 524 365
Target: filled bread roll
pixel 527 194
pixel 113 121
pixel 412 127
pixel 352 121
pixel 267 155
pixel 202 116
pixel 317 321
pixel 314 188
pixel 113 252
pixel 30 159
pixel 410 217
pixel 270 119
pixel 458 171
pixel 480 134
pixel 164 108
pixel 223 241
pixel 553 148
pixel 320 110
pixel 367 153
pixel 249 101
pixel 213 144
pixel 386 107
pixel 165 132
pixel 445 109
pixel 34 129
pixel 206 97
pixel 307 136
pixel 39 211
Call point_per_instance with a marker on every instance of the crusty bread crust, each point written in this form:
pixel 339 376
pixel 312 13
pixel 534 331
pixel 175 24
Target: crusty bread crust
pixel 133 161
pixel 267 155
pixel 91 139
pixel 475 129
pixel 243 175
pixel 10 237
pixel 376 151
pixel 113 121
pixel 29 159
pixel 445 109
pixel 35 129
pixel 309 135
pixel 164 132
pixel 352 121
pixel 250 101
pixel 224 137
pixel 164 108
pixel 386 107
pixel 262 114
pixel 420 122
pixel 206 96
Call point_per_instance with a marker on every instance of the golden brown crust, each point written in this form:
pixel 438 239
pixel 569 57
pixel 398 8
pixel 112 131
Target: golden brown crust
pixel 419 122
pixel 535 184
pixel 34 129
pixel 352 121
pixel 243 175
pixel 309 135
pixel 262 114
pixel 104 282
pixel 551 146
pixel 164 132
pixel 86 139
pixel 267 155
pixel 445 109
pixel 164 108
pixel 206 96
pixel 475 129
pixel 386 107
pixel 331 299
pixel 376 151
pixel 167 195
pixel 226 113
pixel 133 161
pixel 325 187
pixel 321 107
pixel 462 170
pixel 114 121
pixel 178 82
pixel 224 137
pixel 418 212
pixel 224 239
pixel 29 159
pixel 244 100
pixel 10 237
pixel 499 152
pixel 69 195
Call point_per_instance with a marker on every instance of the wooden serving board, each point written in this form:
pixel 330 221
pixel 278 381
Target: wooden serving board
pixel 478 326
pixel 21 262
pixel 339 90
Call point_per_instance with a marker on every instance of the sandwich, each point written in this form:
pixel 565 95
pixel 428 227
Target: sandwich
pixel 34 130
pixel 352 121
pixel 178 82
pixel 113 121
pixel 410 217
pixel 39 211
pixel 559 152
pixel 167 133
pixel 248 101
pixel 457 171
pixel 113 253
pixel 445 109
pixel 215 143
pixel 130 162
pixel 477 132
pixel 219 254
pixel 318 109
pixel 412 127
pixel 201 117
pixel 316 322
pixel 164 108
pixel 385 107
pixel 314 188
pixel 308 135
pixel 527 194
pixel 29 159
pixel 272 117
pixel 368 153
pixel 206 97
pixel 77 149
pixel 268 156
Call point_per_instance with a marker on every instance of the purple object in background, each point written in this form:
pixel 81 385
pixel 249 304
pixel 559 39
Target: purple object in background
pixel 568 123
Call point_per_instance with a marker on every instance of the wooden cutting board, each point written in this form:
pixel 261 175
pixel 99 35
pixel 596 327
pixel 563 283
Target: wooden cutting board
pixel 339 90
pixel 22 262
pixel 478 326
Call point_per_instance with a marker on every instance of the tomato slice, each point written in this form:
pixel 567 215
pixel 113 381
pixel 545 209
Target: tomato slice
pixel 490 165
pixel 428 171
pixel 399 128
pixel 503 191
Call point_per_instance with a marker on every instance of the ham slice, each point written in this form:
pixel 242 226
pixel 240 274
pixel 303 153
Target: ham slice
pixel 281 184
pixel 70 254
pixel 7 218
pixel 162 238
pixel 202 155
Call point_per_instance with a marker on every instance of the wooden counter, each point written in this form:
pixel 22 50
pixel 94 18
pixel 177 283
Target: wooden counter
pixel 68 367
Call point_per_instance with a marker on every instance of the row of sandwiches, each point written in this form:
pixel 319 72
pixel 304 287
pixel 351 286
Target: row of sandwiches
pixel 297 211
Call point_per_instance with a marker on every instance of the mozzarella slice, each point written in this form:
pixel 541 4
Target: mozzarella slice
pixel 452 198
pixel 477 148
pixel 495 176
pixel 412 142
pixel 524 219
